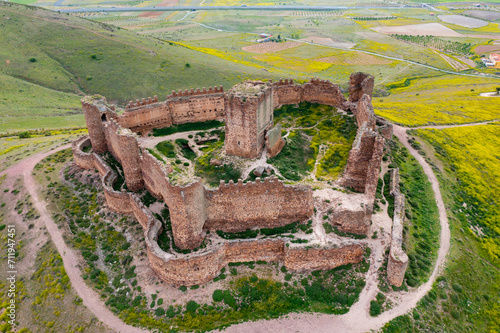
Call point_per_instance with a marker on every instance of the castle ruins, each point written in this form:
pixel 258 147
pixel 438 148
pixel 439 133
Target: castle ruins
pixel 247 110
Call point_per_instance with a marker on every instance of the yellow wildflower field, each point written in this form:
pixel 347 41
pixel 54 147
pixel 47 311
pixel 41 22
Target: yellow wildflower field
pixel 472 154
pixel 439 100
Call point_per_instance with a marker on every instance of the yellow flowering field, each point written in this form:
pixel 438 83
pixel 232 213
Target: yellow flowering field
pixel 472 154
pixel 446 99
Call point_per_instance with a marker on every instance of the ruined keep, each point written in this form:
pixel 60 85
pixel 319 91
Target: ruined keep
pixel 247 110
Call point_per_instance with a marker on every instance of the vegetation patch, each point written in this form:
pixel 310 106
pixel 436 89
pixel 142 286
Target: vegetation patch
pixel 200 126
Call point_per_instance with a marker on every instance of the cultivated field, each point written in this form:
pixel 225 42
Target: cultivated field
pixel 483 14
pixel 431 29
pixel 270 47
pixel 463 21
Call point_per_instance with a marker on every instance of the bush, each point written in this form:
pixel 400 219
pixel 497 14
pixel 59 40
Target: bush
pixel 183 288
pixel 217 295
pixel 24 135
pixel 33 59
pixel 375 308
pixel 186 163
pixel 192 306
pixel 159 312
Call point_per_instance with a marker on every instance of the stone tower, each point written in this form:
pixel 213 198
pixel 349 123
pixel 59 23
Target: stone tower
pixel 94 109
pixel 249 115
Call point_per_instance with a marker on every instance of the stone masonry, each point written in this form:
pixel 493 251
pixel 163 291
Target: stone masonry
pixel 248 113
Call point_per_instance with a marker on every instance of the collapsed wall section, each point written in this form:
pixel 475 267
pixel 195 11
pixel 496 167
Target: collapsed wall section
pixel 265 204
pixel 398 259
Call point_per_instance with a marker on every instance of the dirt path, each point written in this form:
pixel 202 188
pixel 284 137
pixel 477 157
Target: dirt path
pixel 447 126
pixel 70 259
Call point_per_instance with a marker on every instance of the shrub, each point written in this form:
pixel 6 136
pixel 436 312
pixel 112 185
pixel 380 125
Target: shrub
pixel 375 308
pixel 186 163
pixel 192 306
pixel 217 295
pixel 33 59
pixel 159 312
pixel 188 65
pixel 24 135
pixel 183 288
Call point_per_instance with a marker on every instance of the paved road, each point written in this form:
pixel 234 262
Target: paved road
pixel 191 8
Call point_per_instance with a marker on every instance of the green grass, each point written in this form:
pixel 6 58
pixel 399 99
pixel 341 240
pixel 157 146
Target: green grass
pixel 421 231
pixel 166 148
pixel 292 160
pixel 199 126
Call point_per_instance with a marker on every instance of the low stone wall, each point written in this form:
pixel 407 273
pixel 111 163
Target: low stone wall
pixel 352 213
pixel 398 260
pixel 82 159
pixel 299 259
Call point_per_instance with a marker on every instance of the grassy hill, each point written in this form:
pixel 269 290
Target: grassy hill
pixel 49 59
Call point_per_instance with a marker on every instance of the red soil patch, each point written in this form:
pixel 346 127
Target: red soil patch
pixel 164 3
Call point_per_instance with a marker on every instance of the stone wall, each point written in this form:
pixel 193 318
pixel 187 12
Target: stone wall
pixel 360 84
pixel 94 108
pixel 398 259
pixel 286 92
pixel 274 141
pixel 146 117
pixel 315 91
pixel 323 92
pixel 269 203
pixel 195 106
pixel 82 159
pixel 199 268
pixel 299 259
pixel 364 113
pixel 364 161
pixel 123 145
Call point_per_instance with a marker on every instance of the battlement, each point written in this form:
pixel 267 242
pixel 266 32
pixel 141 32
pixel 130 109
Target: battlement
pixel 319 82
pixel 273 181
pixel 285 82
pixel 197 92
pixel 145 101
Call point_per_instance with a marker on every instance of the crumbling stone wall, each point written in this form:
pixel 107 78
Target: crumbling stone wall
pixel 94 109
pixel 364 160
pixel 398 259
pixel 199 268
pixel 146 117
pixel 274 141
pixel 364 113
pixel 269 203
pixel 323 92
pixel 300 259
pixel 360 84
pixel 82 159
pixel 196 105
pixel 123 145
pixel 286 92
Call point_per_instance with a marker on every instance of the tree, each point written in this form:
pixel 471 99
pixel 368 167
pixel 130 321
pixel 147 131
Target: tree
pixel 498 90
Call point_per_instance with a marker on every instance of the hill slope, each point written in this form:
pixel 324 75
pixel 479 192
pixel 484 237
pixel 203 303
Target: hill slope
pixel 77 56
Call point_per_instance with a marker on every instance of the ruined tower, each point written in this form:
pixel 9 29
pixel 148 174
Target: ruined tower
pixel 249 115
pixel 94 109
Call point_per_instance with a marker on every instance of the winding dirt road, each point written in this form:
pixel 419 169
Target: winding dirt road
pixel 70 258
pixel 356 320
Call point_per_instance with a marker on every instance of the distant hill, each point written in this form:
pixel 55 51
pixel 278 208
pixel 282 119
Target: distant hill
pixel 44 50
